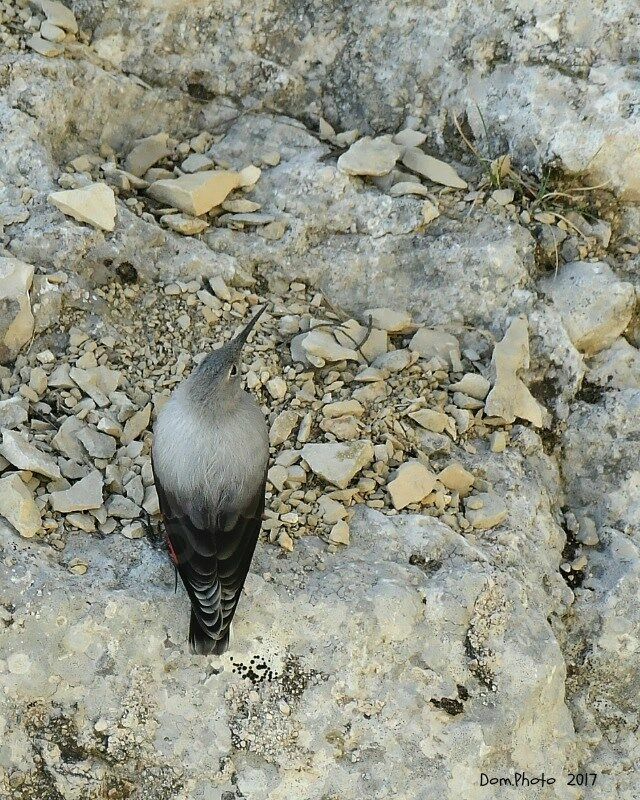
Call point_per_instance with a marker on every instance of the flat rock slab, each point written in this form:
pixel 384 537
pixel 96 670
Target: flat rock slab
pixel 432 168
pixel 510 397
pixel 146 153
pixel 370 156
pixel 413 482
pixel 17 506
pixel 59 15
pixel 16 318
pixel 84 495
pixel 24 455
pixel 485 510
pixel 196 194
pixel 94 204
pixel 338 463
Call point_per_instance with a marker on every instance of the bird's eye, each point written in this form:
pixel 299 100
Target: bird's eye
pixel 233 371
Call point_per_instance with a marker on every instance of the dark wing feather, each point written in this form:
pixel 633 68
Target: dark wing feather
pixel 212 551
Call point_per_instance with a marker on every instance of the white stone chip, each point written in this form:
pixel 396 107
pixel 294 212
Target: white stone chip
pixel 430 342
pixel 16 318
pixel 18 507
pixel 58 14
pixel 485 510
pixel 432 168
pixel 594 305
pixel 370 156
pixel 412 483
pixel 510 398
pixel 196 194
pixel 84 495
pixel 338 463
pixel 94 204
pixel 146 153
pixel 24 455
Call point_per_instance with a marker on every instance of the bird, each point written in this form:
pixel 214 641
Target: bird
pixel 210 456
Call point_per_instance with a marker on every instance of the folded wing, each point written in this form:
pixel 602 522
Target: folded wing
pixel 212 550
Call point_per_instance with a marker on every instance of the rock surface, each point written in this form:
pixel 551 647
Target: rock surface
pixel 16 319
pixel 379 652
pixel 594 305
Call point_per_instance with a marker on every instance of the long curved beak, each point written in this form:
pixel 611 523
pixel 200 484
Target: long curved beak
pixel 241 338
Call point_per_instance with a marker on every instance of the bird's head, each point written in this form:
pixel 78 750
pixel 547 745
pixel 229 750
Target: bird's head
pixel 219 373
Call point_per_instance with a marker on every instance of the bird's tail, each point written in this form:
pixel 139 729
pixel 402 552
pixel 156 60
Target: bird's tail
pixel 202 644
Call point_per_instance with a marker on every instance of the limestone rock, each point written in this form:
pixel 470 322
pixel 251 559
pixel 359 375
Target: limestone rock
pixel 510 398
pixel 339 533
pixel 430 211
pixel 434 421
pixel 387 319
pixel 45 47
pixel 320 345
pixel 429 342
pixel 409 138
pixel 122 507
pixel 370 156
pixel 403 188
pixel 24 455
pixel 84 495
pixel 52 32
pixel 98 382
pixel 432 168
pixel 136 424
pixel 94 204
pixel 66 439
pixel 60 15
pixel 456 478
pixel 412 483
pixel 341 407
pixel 198 193
pixel 282 427
pixel 594 305
pixel 98 445
pixel 472 384
pixel 617 367
pixel 16 319
pixel 13 412
pixel 485 510
pixel 184 224
pixel 146 153
pixel 338 463
pixel 196 162
pixel 18 507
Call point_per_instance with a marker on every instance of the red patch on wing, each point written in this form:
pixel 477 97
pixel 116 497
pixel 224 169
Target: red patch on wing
pixel 172 552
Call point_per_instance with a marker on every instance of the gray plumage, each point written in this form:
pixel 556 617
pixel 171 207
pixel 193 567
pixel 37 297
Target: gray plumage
pixel 210 454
